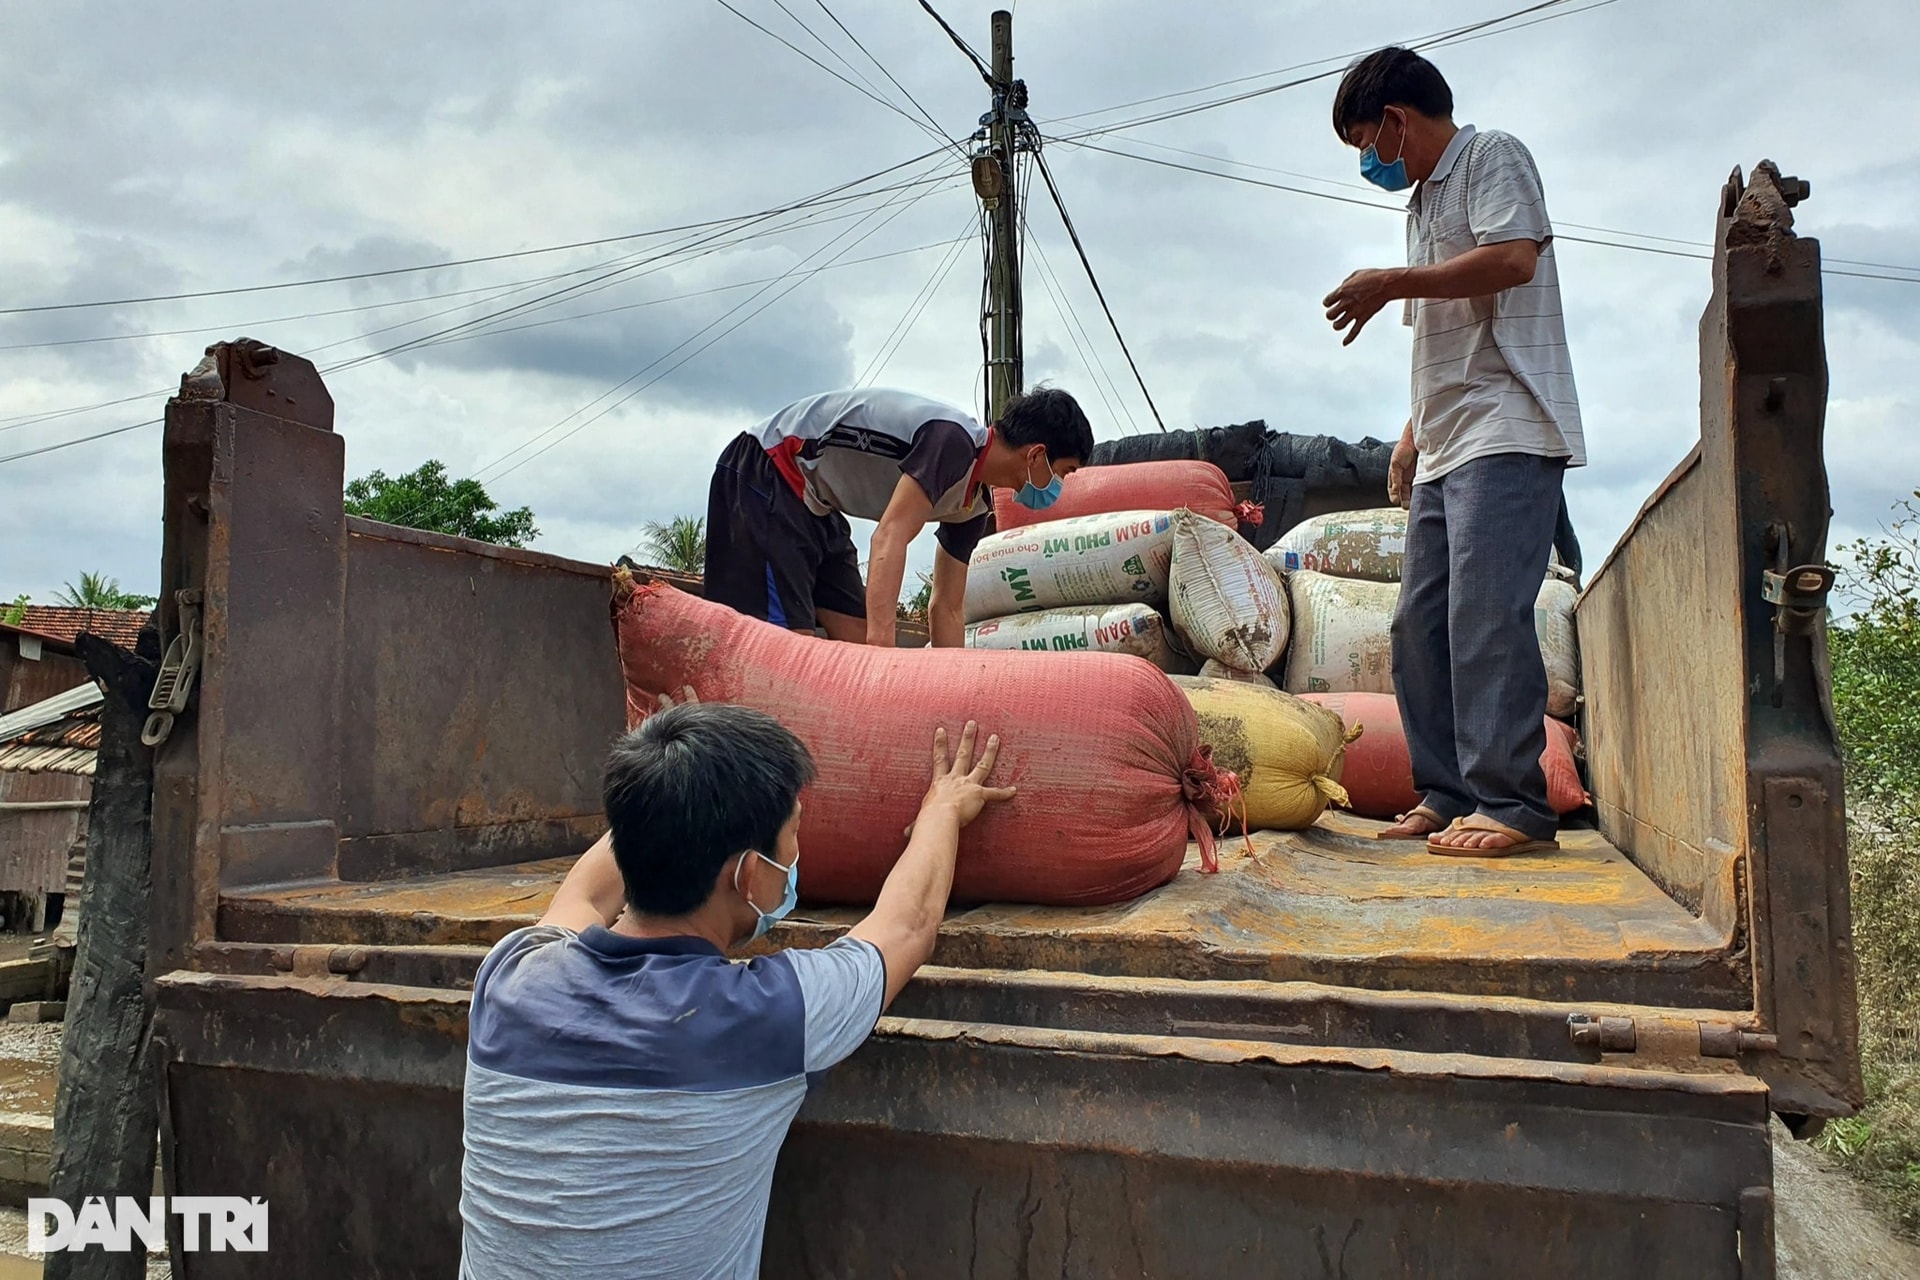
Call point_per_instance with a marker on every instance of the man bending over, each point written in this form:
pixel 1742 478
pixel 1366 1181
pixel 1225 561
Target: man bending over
pixel 778 543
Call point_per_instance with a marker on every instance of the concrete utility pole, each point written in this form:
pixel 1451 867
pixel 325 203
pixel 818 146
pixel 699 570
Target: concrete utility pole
pixel 995 181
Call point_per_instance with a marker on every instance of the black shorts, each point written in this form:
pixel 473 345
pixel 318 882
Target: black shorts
pixel 768 556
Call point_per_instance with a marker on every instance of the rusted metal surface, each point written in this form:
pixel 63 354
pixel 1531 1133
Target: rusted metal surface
pixel 249 373
pixel 1330 904
pixel 1711 747
pixel 476 907
pixel 339 1104
pixel 1296 1013
pixel 966 1151
pixel 490 757
pixel 960 1149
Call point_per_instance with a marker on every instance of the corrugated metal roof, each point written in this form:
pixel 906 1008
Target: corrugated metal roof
pixel 80 698
pixel 24 757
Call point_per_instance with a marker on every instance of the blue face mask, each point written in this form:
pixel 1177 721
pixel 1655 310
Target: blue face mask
pixel 1388 177
pixel 1034 498
pixel 788 900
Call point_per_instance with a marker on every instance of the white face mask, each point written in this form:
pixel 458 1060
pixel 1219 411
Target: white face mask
pixel 788 899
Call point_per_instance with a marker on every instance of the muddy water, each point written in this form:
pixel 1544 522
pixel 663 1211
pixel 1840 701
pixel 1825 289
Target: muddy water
pixel 26 1086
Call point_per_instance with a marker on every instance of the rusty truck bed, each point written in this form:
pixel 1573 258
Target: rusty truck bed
pixel 1330 904
pixel 1335 1057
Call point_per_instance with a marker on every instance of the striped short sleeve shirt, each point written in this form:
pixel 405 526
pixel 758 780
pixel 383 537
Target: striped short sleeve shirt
pixel 626 1098
pixel 1490 374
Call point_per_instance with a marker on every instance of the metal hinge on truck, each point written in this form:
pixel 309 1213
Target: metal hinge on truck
pixel 1798 596
pixel 177 671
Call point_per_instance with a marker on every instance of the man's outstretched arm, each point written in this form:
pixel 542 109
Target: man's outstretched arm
pixel 906 918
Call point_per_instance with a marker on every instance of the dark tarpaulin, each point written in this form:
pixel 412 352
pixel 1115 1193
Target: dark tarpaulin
pixel 1282 469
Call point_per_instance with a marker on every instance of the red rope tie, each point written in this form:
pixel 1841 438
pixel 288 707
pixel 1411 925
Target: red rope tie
pixel 1250 513
pixel 1215 795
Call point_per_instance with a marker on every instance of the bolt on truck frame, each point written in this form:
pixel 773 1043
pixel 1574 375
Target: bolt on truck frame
pixel 1334 1058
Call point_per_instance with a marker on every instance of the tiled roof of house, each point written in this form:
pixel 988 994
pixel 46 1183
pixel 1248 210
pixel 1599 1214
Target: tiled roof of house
pixel 59 622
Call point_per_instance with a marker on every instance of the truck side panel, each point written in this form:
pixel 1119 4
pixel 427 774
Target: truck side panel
pixel 1714 602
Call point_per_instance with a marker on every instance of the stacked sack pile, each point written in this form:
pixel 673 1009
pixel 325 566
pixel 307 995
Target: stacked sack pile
pixel 1145 559
pixel 1343 575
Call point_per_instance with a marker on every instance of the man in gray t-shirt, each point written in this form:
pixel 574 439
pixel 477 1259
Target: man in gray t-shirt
pixel 1495 425
pixel 628 1086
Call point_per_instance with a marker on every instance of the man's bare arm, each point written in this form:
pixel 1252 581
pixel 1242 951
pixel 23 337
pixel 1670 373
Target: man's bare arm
pixel 1488 269
pixel 946 614
pixel 906 917
pixel 906 515
pixel 593 892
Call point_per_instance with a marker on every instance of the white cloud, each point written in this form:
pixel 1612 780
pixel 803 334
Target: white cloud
pixel 368 136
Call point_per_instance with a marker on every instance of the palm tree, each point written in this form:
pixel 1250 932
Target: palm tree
pixel 98 591
pixel 679 544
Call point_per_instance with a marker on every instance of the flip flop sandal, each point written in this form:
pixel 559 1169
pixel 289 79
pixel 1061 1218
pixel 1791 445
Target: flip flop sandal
pixel 1521 844
pixel 1439 824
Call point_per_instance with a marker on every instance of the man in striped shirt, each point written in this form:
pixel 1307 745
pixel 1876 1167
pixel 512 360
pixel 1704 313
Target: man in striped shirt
pixel 1495 425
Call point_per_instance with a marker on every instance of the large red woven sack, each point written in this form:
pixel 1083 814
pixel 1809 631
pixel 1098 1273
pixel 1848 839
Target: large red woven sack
pixel 1104 750
pixel 1379 771
pixel 1131 486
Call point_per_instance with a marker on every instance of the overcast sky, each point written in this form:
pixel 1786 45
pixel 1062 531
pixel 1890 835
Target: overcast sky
pixel 153 149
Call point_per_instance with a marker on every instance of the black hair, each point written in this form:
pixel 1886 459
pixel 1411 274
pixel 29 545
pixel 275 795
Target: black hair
pixel 1390 77
pixel 1048 416
pixel 690 788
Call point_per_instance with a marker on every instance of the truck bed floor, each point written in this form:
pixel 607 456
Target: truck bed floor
pixel 1330 904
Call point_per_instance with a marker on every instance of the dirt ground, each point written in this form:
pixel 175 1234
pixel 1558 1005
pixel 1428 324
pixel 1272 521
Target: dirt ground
pixel 1822 1228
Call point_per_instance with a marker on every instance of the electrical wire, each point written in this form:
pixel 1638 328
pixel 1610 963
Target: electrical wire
pixel 1700 252
pixel 480 473
pixel 462 262
pixel 620 274
pixel 980 64
pixel 674 254
pixel 68 444
pixel 154 422
pixel 897 336
pixel 894 107
pixel 533 303
pixel 702 293
pixel 1066 219
pixel 883 68
pixel 1054 289
pixel 249 324
pixel 1455 34
pixel 738 223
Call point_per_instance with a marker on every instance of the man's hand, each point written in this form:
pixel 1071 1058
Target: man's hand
pixel 686 696
pixel 959 786
pixel 906 917
pixel 1359 297
pixel 1400 470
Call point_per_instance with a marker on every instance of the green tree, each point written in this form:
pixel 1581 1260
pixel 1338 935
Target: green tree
pixel 15 611
pixel 915 606
pixel 426 499
pixel 1876 662
pixel 98 591
pixel 1876 702
pixel 679 543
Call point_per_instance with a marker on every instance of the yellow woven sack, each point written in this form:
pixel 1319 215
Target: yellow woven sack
pixel 1287 752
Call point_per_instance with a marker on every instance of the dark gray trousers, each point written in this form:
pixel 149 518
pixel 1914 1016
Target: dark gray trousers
pixel 1466 661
